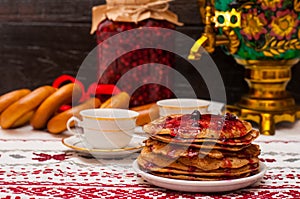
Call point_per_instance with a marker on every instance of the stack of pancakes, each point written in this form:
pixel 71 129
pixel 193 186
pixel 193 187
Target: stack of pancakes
pixel 200 147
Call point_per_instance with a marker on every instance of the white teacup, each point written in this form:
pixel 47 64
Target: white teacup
pixel 182 106
pixel 105 128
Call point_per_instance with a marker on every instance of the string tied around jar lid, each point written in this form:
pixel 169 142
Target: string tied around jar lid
pixel 137 10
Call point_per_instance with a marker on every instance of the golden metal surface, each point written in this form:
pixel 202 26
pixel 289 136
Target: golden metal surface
pixel 227 16
pixel 267 80
pixel 209 40
pixel 194 53
pixel 266 120
pixel 267 102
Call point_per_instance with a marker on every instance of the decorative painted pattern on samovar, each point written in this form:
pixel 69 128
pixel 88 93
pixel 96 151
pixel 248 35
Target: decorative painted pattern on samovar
pixel 264 37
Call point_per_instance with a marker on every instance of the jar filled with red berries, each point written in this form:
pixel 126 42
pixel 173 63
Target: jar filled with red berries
pixel 118 16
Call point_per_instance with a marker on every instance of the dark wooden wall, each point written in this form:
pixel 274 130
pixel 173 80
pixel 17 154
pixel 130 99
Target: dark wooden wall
pixel 42 39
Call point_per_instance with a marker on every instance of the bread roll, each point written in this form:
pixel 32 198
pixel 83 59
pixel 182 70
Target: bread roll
pixel 120 100
pixel 147 113
pixel 9 98
pixel 47 109
pixel 24 105
pixel 57 124
pixel 24 119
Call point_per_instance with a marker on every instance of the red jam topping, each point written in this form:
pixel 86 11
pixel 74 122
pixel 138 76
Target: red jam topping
pixel 191 123
pixel 227 163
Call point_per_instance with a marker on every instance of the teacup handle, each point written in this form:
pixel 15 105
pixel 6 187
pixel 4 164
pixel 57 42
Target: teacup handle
pixel 73 119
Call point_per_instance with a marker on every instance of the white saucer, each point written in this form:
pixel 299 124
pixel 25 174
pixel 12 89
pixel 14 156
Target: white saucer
pixel 201 186
pixel 76 144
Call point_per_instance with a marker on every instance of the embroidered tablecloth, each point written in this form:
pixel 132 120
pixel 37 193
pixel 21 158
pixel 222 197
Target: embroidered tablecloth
pixel 35 164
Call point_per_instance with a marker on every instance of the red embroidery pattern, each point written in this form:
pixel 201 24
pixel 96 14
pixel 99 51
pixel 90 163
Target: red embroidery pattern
pixel 74 181
pixel 44 157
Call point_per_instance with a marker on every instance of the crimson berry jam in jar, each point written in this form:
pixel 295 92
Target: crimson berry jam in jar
pixel 141 65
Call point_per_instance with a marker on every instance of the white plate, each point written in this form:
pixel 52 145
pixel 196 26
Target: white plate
pixel 76 144
pixel 201 186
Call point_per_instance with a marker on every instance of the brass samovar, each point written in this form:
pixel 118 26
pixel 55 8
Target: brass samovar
pixel 264 37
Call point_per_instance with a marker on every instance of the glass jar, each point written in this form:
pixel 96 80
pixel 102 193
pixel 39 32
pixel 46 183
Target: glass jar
pixel 147 93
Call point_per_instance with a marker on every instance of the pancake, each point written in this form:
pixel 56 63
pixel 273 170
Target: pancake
pixel 204 163
pixel 211 164
pixel 200 147
pixel 198 178
pixel 180 169
pixel 204 145
pixel 245 140
pixel 176 150
pixel 195 125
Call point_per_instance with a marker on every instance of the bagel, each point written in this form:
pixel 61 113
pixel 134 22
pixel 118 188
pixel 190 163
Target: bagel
pixel 9 98
pixel 120 100
pixel 24 119
pixel 147 113
pixel 24 105
pixel 47 109
pixel 57 124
